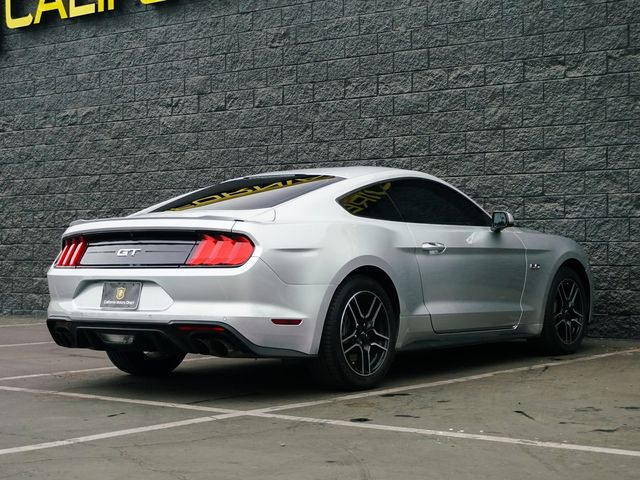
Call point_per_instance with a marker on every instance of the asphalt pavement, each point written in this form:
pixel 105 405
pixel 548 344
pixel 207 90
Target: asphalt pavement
pixel 493 411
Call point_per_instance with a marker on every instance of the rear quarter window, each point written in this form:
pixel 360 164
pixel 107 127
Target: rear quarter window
pixel 372 202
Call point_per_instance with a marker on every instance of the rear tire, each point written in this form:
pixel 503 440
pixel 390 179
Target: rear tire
pixel 146 363
pixel 359 336
pixel 566 314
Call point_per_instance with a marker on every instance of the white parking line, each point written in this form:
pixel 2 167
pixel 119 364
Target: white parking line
pixel 25 344
pixel 437 383
pixel 267 413
pixel 117 433
pixel 322 421
pixel 84 370
pixel 88 396
pixel 56 374
pixel 22 324
pixel 467 436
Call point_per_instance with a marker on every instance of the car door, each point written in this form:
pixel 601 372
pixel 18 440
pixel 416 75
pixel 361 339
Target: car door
pixel 472 278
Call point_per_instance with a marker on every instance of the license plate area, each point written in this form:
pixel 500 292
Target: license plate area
pixel 121 295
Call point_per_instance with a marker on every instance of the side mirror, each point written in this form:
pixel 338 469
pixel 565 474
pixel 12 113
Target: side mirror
pixel 501 220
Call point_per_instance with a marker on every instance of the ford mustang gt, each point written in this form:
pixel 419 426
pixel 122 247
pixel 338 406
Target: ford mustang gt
pixel 344 266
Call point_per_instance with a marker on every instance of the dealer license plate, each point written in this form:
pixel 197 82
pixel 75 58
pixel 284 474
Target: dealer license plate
pixel 121 295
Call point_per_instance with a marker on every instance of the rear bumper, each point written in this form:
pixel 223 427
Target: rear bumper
pixel 244 299
pixel 213 338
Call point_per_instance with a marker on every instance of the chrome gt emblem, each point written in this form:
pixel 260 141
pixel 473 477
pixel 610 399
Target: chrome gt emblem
pixel 128 252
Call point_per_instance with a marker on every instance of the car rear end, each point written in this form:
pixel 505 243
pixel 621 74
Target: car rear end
pixel 163 283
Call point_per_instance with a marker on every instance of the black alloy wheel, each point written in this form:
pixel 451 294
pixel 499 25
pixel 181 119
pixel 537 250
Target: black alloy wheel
pixel 358 340
pixel 566 315
pixel 568 311
pixel 365 330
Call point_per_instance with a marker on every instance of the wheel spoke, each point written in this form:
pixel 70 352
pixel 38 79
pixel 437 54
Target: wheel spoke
pixel 377 345
pixel 348 337
pixel 564 297
pixel 374 317
pixel 573 294
pixel 379 336
pixel 353 314
pixel 366 360
pixel 353 345
pixel 360 314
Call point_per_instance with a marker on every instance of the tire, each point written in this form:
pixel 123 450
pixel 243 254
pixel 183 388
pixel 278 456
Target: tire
pixel 566 314
pixel 358 340
pixel 146 363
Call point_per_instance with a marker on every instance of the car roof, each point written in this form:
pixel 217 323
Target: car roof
pixel 354 177
pixel 349 172
pixel 360 175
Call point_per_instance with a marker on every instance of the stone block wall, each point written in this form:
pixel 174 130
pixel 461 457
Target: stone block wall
pixel 528 105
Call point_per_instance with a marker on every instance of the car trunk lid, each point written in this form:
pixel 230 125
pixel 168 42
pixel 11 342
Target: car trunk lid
pixel 165 239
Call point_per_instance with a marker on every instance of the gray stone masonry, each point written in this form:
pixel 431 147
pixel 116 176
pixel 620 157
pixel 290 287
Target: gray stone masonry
pixel 528 105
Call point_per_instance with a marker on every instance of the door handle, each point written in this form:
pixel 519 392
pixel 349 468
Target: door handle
pixel 433 248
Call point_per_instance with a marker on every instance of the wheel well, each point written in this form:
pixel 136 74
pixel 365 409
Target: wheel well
pixel 383 279
pixel 577 267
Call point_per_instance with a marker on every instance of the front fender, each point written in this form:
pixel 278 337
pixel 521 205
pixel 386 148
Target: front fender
pixel 550 252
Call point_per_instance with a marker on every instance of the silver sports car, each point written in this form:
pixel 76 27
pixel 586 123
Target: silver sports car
pixel 344 266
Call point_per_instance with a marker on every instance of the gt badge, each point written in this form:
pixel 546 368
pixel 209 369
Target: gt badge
pixel 126 252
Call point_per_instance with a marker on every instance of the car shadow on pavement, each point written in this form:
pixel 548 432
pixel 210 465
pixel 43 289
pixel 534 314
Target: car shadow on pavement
pixel 264 381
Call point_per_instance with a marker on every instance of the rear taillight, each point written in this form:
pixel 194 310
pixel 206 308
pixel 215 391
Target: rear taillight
pixel 72 252
pixel 220 249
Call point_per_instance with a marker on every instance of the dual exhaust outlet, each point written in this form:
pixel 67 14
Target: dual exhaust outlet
pixel 213 346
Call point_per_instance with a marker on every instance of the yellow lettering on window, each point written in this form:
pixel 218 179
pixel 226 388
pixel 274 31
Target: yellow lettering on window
pixel 80 10
pixel 149 2
pixel 243 192
pixel 19 22
pixel 359 201
pixel 47 6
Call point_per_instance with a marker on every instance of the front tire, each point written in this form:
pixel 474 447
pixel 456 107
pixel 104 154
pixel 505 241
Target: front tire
pixel 146 363
pixel 566 314
pixel 359 336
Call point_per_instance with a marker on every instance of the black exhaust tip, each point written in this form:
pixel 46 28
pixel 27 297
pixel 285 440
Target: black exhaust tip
pixel 211 345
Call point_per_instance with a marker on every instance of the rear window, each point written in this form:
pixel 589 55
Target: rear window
pixel 250 193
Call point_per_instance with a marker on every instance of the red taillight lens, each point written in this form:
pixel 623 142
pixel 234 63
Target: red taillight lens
pixel 200 328
pixel 219 249
pixel 72 252
pixel 285 321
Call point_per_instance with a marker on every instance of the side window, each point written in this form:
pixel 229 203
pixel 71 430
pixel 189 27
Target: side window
pixel 372 202
pixel 424 201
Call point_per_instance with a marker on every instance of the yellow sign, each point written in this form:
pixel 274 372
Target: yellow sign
pixel 65 10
